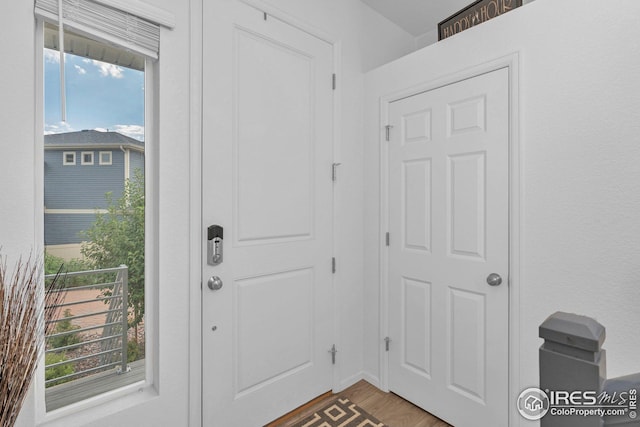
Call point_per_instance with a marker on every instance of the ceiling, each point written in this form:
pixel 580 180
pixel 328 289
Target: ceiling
pixel 417 16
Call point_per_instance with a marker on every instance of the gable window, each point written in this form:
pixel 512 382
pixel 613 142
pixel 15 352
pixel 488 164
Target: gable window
pixel 105 158
pixel 69 158
pixel 87 158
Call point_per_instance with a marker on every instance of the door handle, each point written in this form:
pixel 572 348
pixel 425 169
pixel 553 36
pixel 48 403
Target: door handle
pixel 494 279
pixel 214 283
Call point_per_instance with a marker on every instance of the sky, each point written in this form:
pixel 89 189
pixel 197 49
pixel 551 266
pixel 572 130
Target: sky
pixel 99 95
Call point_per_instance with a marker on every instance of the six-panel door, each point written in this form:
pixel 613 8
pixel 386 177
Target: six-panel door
pixel 448 222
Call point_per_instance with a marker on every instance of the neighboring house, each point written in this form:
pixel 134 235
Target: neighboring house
pixel 79 168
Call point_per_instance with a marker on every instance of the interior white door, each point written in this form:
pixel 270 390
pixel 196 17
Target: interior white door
pixel 448 224
pixel 267 156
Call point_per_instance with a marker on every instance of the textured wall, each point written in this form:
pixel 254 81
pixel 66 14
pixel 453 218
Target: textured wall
pixel 580 189
pixel 17 136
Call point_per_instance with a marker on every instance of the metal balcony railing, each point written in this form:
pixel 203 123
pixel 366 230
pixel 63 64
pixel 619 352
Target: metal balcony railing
pixel 100 343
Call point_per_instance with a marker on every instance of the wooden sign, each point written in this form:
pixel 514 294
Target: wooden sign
pixel 474 14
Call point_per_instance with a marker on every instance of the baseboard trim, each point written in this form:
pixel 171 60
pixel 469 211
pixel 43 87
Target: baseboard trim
pixel 372 379
pixel 349 381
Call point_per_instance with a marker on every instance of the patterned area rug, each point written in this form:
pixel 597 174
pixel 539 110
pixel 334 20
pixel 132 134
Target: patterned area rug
pixel 340 413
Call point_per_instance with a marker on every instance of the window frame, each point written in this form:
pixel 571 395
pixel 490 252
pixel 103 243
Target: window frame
pixel 142 392
pixel 85 153
pixel 105 163
pixel 64 158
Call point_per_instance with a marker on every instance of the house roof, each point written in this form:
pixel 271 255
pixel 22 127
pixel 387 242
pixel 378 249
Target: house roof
pixel 91 139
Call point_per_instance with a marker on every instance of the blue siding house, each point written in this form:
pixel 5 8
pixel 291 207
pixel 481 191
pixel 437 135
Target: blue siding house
pixel 79 168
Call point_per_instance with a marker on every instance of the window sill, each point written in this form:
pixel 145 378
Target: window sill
pixel 95 408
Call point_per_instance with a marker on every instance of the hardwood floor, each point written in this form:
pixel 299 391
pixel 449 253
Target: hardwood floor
pixel 389 408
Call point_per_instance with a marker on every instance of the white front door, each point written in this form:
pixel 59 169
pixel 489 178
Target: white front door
pixel 448 224
pixel 267 157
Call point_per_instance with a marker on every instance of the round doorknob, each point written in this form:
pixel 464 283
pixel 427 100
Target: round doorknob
pixel 494 279
pixel 214 283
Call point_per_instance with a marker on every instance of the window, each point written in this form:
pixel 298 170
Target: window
pixel 69 158
pixel 105 158
pixel 103 43
pixel 87 158
pixel 97 343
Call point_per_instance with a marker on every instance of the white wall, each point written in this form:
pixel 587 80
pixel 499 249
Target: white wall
pixel 580 194
pixel 426 39
pixel 17 77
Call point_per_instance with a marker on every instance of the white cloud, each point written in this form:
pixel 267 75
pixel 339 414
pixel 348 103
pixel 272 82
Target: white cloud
pixel 51 56
pixel 132 131
pixel 60 127
pixel 109 70
pixel 101 129
pixel 80 69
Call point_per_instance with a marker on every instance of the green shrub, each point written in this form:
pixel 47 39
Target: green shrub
pixel 134 352
pixel 53 263
pixel 117 237
pixel 65 325
pixel 57 371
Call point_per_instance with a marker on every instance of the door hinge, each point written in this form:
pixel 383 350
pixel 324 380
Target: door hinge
pixel 386 239
pixel 264 15
pixel 333 81
pixel 333 352
pixel 387 129
pixel 333 265
pixel 334 171
pixel 387 340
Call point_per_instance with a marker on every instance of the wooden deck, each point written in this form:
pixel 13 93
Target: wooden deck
pixel 74 391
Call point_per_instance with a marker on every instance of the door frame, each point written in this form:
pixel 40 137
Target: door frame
pixel 196 189
pixel 511 62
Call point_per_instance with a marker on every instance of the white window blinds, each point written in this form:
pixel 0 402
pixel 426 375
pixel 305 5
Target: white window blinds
pixel 104 22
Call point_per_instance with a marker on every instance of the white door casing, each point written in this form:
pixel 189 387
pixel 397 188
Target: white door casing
pixel 448 202
pixel 266 163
